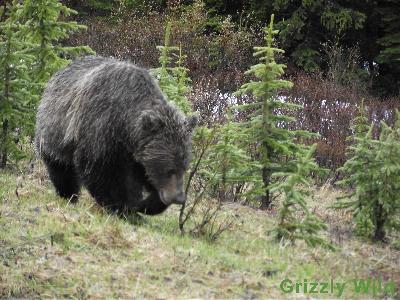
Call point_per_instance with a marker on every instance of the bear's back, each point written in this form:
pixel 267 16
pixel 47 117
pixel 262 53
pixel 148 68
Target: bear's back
pixel 86 78
pixel 88 101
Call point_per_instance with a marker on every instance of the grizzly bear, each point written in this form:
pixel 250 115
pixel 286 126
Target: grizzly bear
pixel 105 124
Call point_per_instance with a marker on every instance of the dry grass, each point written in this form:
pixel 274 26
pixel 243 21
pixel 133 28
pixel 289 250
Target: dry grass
pixel 52 249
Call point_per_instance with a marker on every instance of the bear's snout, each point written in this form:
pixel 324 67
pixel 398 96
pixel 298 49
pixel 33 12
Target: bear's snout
pixel 168 199
pixel 173 192
pixel 180 199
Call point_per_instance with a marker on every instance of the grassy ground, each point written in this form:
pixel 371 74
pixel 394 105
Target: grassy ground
pixel 52 249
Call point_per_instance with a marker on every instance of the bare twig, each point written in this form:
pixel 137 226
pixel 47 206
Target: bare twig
pixel 182 219
pixel 207 224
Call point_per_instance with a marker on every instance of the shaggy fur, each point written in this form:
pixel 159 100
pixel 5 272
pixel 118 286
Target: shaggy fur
pixel 105 124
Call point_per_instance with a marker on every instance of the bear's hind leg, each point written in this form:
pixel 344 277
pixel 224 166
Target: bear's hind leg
pixel 64 179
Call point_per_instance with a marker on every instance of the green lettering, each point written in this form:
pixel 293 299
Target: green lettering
pixel 340 288
pixel 313 289
pixel 361 286
pixel 298 285
pixel 390 288
pixel 324 288
pixel 286 286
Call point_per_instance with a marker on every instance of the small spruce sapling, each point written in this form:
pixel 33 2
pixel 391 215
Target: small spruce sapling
pixel 267 128
pixel 173 80
pixel 295 221
pixel 30 52
pixel 203 214
pixel 227 163
pixel 373 171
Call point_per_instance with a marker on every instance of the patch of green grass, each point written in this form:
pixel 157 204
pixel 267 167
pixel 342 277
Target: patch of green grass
pixel 52 249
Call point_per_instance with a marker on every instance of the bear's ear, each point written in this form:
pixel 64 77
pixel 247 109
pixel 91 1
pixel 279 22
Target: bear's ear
pixel 150 122
pixel 190 123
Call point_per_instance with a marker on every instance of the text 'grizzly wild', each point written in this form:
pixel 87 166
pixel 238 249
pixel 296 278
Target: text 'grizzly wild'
pixel 105 124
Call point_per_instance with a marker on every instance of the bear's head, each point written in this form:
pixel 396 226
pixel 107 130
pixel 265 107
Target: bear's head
pixel 166 150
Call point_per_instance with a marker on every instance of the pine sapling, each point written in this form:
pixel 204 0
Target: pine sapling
pixel 295 221
pixel 268 125
pixel 30 48
pixel 227 163
pixel 373 172
pixel 46 27
pixel 172 75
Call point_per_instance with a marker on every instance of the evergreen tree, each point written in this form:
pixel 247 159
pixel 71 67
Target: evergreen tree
pixel 17 102
pixel 389 54
pixel 267 127
pixel 46 28
pixel 227 163
pixel 371 26
pixel 31 51
pixel 373 170
pixel 295 222
pixel 173 80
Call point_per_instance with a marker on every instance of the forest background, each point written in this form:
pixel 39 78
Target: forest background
pixel 336 52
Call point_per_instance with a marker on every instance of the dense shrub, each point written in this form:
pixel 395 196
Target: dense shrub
pixel 373 171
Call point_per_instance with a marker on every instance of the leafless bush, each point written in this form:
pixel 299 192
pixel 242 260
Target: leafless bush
pixel 203 213
pixel 329 108
pixel 344 65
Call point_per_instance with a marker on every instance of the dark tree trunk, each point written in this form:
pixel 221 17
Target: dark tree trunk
pixel 266 199
pixel 379 234
pixel 4 3
pixel 7 79
pixel 4 154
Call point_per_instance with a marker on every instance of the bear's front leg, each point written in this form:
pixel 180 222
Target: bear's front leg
pixel 111 184
pixel 152 205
